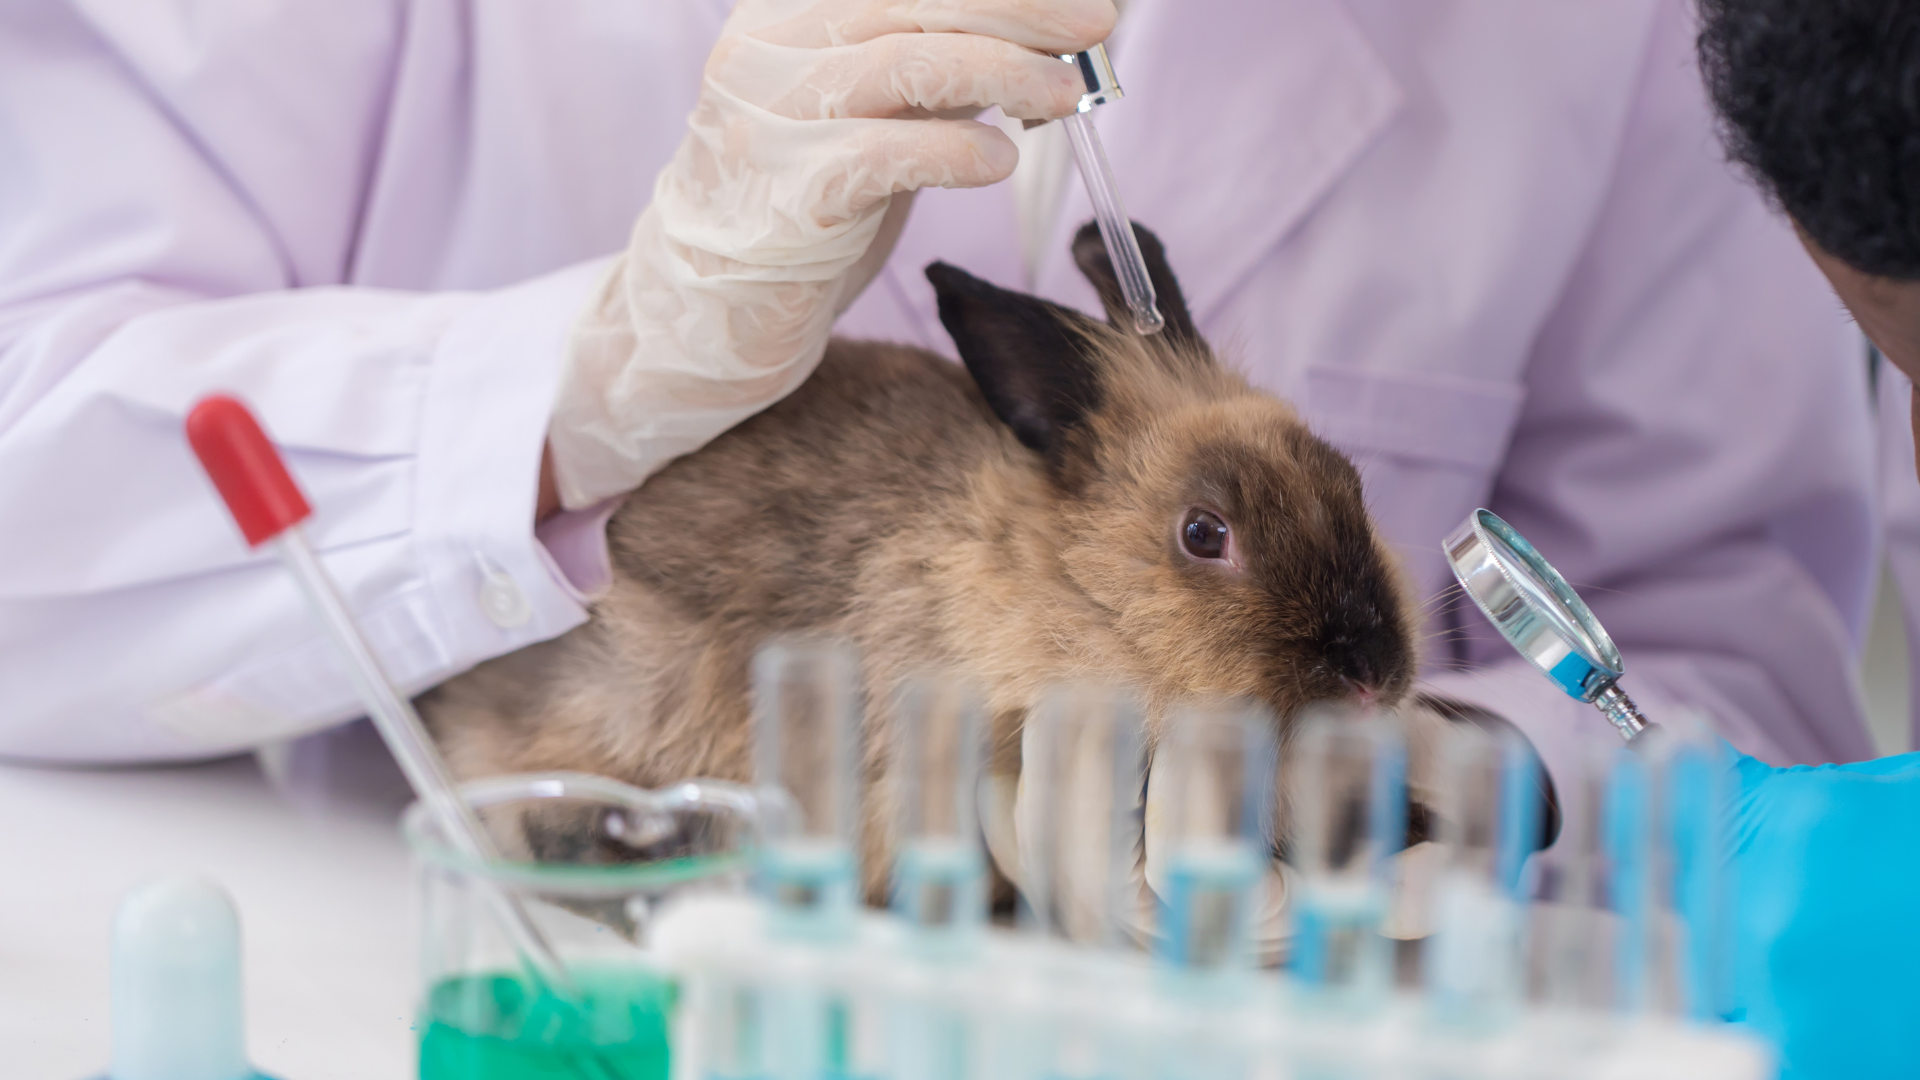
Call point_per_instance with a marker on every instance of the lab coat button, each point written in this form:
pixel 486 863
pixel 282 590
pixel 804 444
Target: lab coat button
pixel 500 597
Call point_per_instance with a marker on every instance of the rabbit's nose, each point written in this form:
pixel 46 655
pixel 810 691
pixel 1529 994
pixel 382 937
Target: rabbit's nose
pixel 1361 691
pixel 1351 660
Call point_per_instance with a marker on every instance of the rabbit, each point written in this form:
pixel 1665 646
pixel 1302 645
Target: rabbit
pixel 1075 503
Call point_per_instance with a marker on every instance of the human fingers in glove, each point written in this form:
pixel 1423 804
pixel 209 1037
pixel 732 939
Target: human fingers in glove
pixel 780 205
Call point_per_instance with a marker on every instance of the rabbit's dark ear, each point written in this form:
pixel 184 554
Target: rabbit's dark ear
pixel 1090 255
pixel 1036 372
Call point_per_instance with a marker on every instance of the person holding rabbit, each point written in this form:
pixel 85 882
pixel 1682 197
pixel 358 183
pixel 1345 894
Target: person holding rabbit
pixel 1488 253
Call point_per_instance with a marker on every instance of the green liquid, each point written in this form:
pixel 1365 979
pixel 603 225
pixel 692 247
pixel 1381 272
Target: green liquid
pixel 499 1027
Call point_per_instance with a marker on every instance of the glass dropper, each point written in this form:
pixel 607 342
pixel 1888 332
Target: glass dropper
pixel 1115 228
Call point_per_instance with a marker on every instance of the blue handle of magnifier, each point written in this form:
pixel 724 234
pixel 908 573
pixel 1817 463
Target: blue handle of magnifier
pixel 1599 687
pixel 1581 680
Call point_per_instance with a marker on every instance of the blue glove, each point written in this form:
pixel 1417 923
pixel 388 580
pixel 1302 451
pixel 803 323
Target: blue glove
pixel 1828 956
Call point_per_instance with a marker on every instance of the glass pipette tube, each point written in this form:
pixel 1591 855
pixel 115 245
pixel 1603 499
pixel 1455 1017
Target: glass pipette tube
pixel 1136 286
pixel 1347 792
pixel 806 695
pixel 1115 228
pixel 1487 820
pixel 1207 800
pixel 260 494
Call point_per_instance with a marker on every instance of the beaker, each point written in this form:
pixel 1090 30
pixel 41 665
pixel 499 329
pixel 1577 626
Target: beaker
pixel 589 860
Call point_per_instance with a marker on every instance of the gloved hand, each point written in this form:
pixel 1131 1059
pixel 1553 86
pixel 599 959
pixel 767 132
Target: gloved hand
pixel 775 211
pixel 1828 865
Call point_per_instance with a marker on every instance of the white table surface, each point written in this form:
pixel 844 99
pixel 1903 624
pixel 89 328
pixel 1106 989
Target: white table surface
pixel 324 887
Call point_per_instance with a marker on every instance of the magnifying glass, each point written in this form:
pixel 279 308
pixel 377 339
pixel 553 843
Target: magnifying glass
pixel 1539 614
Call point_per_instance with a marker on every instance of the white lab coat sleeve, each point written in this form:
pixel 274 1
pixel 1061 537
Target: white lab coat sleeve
pixel 143 266
pixel 1695 455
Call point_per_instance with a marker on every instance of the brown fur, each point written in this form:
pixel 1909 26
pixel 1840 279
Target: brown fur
pixel 887 501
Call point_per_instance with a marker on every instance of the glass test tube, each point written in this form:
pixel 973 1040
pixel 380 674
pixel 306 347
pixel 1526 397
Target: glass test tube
pixel 1085 768
pixel 789 1024
pixel 1689 929
pixel 1564 922
pixel 940 873
pixel 1208 797
pixel 1346 790
pixel 806 699
pixel 1083 774
pixel 1573 934
pixel 1628 841
pixel 1488 819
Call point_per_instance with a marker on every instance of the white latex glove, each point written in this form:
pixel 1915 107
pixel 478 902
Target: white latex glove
pixel 774 213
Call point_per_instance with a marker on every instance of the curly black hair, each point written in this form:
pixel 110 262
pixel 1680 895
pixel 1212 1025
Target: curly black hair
pixel 1820 101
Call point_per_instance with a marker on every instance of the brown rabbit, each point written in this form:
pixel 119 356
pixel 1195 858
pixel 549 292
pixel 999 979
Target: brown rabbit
pixel 1076 503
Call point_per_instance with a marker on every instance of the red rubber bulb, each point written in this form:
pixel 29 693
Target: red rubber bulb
pixel 259 492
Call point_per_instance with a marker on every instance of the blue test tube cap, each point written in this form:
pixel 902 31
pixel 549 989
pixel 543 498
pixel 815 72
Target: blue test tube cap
pixel 176 984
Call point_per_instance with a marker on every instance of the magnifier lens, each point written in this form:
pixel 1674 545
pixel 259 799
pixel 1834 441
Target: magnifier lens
pixel 1540 615
pixel 1544 599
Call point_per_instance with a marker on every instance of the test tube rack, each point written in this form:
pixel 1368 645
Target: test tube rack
pixel 1019 1007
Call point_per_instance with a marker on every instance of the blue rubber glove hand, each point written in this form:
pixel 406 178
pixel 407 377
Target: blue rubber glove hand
pixel 1828 961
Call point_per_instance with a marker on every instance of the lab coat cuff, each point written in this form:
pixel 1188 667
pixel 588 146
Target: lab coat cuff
pixel 496 369
pixel 576 542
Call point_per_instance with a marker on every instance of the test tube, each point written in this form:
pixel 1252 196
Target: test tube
pixel 1690 928
pixel 939 874
pixel 787 1021
pixel 1084 767
pixel 1346 791
pixel 1568 962
pixel 1086 906
pixel 1488 818
pixel 1208 795
pixel 806 700
pixel 1629 838
pixel 1573 934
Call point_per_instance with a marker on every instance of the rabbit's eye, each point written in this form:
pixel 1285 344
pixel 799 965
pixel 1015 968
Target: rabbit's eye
pixel 1204 535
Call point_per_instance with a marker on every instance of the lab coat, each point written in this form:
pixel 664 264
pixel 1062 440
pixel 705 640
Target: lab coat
pixel 1488 246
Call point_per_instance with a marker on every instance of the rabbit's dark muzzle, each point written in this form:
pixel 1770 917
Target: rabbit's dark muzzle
pixel 1371 666
pixel 1364 645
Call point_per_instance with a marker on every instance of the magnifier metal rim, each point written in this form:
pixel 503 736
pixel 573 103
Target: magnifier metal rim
pixel 1485 541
